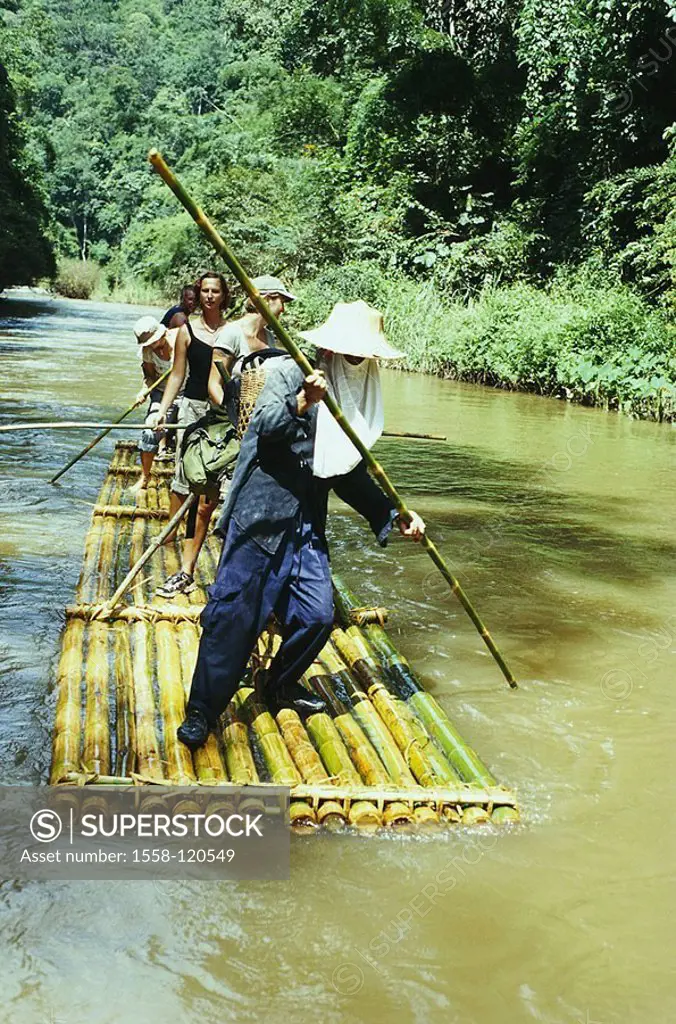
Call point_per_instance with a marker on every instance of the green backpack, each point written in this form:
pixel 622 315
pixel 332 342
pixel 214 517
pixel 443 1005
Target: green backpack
pixel 208 451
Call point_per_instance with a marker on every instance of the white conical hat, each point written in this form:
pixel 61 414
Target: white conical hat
pixel 353 329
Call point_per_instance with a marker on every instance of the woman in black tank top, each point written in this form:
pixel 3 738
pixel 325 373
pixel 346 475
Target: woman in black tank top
pixel 199 356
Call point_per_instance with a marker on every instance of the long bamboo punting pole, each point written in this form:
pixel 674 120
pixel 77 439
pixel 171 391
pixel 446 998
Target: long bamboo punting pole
pixel 294 351
pixel 8 428
pixel 99 437
pixel 151 549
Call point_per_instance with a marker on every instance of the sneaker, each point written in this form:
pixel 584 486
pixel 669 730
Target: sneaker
pixel 179 583
pixel 194 730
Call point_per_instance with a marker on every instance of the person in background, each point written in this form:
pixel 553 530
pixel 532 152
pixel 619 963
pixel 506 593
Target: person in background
pixel 250 333
pixel 196 343
pixel 275 554
pixel 187 303
pixel 156 349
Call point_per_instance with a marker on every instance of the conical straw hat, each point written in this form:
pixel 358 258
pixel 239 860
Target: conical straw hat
pixel 353 329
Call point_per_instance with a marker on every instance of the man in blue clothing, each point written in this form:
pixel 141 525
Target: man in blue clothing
pixel 275 556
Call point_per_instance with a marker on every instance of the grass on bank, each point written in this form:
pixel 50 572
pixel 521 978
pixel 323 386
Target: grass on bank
pixel 584 338
pixel 581 338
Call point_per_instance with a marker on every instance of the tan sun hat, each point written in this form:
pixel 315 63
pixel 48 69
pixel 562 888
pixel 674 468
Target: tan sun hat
pixel 353 329
pixel 148 330
pixel 269 285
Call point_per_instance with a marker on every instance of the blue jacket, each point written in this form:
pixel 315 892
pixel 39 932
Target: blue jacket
pixel 273 479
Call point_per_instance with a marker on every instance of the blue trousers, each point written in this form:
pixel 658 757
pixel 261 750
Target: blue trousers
pixel 250 584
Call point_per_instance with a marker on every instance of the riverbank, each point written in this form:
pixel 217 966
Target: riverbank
pixel 583 338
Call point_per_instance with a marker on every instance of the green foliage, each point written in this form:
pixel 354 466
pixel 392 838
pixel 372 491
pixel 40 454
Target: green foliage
pixel 76 279
pixel 25 252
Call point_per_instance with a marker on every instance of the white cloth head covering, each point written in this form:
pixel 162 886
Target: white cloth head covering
pixel 354 329
pixel 356 389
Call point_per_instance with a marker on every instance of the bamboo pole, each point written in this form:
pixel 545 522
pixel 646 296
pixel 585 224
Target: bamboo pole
pixel 278 761
pixel 8 428
pixel 172 705
pixel 415 437
pixel 96 751
pixel 294 351
pixel 362 753
pixel 148 553
pixel 67 727
pixel 208 760
pixel 125 747
pixel 99 437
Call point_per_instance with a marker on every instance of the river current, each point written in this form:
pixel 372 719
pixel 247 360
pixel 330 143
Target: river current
pixel 559 522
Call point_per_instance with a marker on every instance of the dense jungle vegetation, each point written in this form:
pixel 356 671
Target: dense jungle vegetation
pixel 499 176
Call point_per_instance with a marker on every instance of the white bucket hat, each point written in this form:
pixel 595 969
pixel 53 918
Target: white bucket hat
pixel 353 329
pixel 269 285
pixel 148 330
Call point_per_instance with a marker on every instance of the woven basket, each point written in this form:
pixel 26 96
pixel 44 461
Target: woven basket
pixel 252 383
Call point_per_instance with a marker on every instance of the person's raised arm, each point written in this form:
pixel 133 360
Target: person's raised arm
pixel 177 375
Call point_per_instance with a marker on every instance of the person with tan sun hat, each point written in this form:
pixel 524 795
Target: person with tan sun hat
pixel 275 555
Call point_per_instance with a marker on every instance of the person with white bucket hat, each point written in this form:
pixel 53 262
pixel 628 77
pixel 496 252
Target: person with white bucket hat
pixel 275 555
pixel 156 346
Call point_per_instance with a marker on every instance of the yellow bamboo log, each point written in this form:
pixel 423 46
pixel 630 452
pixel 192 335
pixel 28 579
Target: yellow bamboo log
pixel 67 728
pixel 125 754
pixel 179 766
pixel 208 759
pixel 147 743
pixel 330 813
pixel 129 511
pixel 96 751
pixel 238 756
pixel 278 761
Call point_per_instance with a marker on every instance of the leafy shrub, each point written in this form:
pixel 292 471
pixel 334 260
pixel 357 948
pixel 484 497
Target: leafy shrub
pixel 77 280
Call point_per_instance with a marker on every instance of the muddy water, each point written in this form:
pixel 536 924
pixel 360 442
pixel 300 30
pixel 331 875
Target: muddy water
pixel 560 523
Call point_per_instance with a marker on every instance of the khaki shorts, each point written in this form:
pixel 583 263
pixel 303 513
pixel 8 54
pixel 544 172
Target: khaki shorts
pixel 189 411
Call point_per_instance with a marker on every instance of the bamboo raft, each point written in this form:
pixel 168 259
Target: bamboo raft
pixel 384 755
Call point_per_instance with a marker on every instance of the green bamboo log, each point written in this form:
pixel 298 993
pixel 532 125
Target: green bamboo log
pixel 67 727
pixel 278 761
pixel 238 756
pixel 330 813
pixel 99 437
pixel 426 761
pixel 363 755
pixel 294 351
pixel 401 678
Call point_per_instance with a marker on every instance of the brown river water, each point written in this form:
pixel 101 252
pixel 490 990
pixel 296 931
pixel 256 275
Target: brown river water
pixel 560 522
